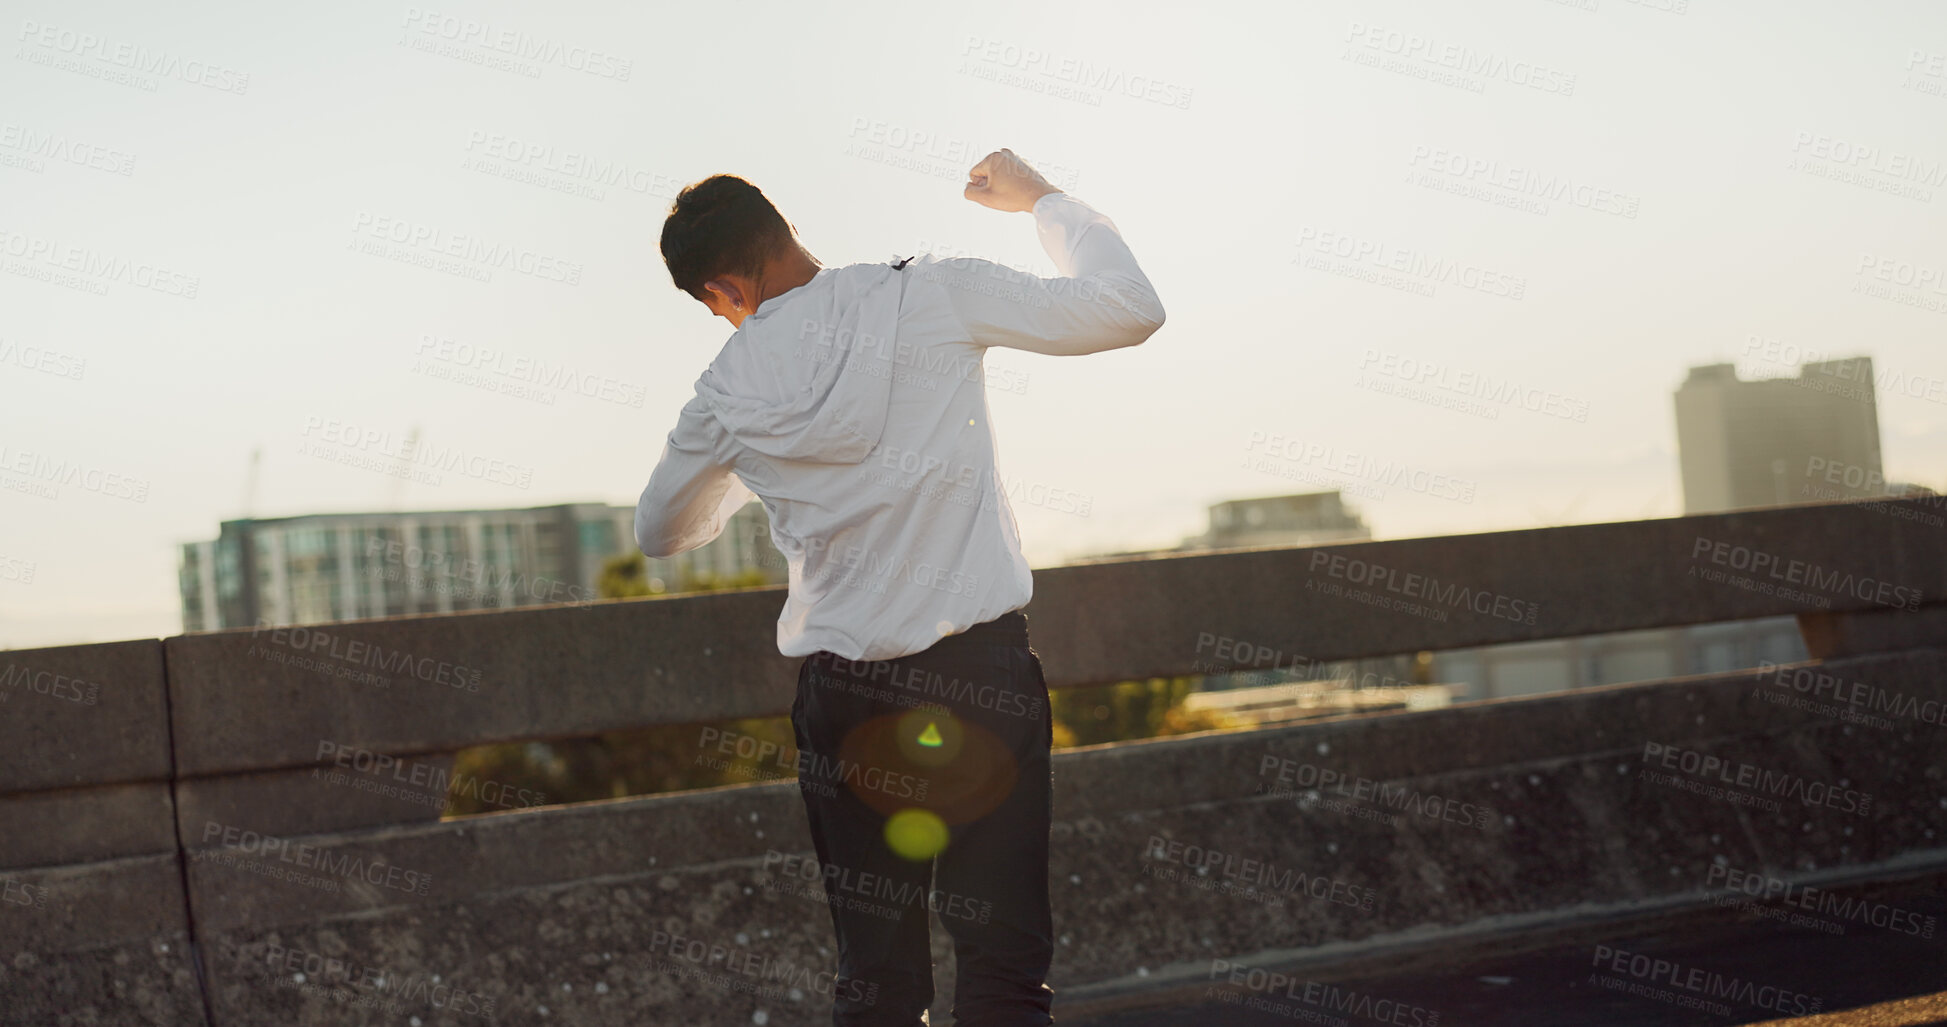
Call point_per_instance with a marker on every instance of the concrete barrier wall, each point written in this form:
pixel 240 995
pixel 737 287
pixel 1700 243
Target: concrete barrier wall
pixel 93 927
pixel 118 766
pixel 1167 854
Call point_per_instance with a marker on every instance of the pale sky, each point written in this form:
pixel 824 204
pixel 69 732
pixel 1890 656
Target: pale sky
pixel 1783 162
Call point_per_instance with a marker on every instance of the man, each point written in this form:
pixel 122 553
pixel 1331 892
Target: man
pixel 851 400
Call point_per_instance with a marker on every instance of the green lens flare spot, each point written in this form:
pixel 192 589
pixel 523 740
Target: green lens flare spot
pixel 916 834
pixel 931 736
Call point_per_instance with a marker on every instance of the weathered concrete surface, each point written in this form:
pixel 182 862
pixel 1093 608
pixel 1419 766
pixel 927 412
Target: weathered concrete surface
pixel 98 943
pixel 83 714
pixel 261 700
pixel 1370 598
pixel 258 700
pixel 1550 819
pixel 375 791
pixel 82 825
pixel 92 924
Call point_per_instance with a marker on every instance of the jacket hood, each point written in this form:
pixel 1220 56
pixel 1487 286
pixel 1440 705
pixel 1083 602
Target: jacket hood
pixel 808 376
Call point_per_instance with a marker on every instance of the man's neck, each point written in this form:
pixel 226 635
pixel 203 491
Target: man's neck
pixel 787 275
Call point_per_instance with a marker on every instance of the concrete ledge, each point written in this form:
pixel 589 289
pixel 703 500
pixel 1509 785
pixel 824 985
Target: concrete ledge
pixel 409 685
pixel 264 700
pixel 1166 853
pixel 85 825
pixel 319 799
pixel 83 715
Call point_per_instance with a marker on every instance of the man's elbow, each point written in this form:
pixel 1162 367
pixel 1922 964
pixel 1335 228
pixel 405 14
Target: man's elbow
pixel 1140 326
pixel 653 538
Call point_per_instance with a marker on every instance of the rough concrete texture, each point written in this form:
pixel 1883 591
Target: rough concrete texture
pixel 1370 598
pixel 101 943
pixel 410 685
pixel 81 825
pixel 82 715
pixel 376 791
pixel 594 913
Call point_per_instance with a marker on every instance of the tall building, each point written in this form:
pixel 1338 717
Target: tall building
pixel 1776 441
pixel 327 567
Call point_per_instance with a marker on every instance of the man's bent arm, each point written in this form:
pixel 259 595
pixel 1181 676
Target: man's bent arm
pixel 691 493
pixel 1103 301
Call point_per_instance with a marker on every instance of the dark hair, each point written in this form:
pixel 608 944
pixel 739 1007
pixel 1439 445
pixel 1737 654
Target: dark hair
pixel 721 225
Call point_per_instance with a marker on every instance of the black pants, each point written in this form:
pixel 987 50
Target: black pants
pixel 949 748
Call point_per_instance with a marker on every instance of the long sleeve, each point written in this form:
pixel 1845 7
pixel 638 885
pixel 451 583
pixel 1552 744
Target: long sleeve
pixel 692 492
pixel 1101 301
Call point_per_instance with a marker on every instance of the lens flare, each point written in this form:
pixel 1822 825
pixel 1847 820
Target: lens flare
pixel 916 834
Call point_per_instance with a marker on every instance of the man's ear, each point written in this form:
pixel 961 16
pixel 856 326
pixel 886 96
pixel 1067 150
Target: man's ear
pixel 727 292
